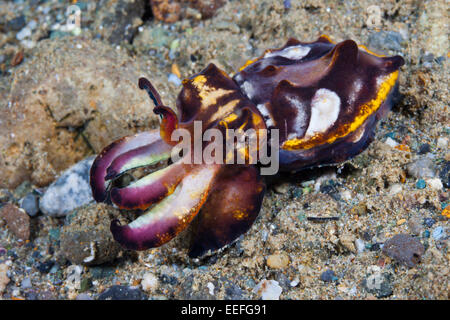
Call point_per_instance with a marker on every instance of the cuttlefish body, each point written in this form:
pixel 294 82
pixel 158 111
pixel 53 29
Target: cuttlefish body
pixel 323 100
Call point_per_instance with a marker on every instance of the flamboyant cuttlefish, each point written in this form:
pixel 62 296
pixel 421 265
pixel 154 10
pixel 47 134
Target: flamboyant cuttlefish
pixel 324 98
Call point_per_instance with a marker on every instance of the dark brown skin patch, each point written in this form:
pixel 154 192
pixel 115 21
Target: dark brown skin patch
pixel 230 210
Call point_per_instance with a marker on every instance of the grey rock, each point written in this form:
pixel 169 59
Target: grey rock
pixel 427 60
pixel 404 249
pixel 422 167
pixel 429 222
pixel 46 295
pixel 30 204
pixel 379 284
pixel 70 191
pixel 386 40
pixel 233 292
pixel 327 276
pixel 120 26
pixel 16 23
pixel 83 296
pixel 122 293
pixel 438 233
pixel 87 239
pixel 26 283
pixel 23 189
pixel 5 196
pixel 415 226
pixel 444 174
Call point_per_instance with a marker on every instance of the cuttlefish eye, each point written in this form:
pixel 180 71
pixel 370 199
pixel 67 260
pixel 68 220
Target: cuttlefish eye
pixel 322 98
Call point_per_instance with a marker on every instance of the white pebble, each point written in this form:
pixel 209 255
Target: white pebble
pixel 360 245
pixel 24 33
pixel 149 282
pixel 442 142
pixel 210 286
pixel 29 44
pixel 391 142
pixel 395 188
pixel 346 195
pixel 268 289
pixel 294 282
pixel 435 183
pixel 32 24
pixel 174 79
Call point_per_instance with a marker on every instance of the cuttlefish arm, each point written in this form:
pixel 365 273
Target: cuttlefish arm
pixel 231 208
pixel 171 215
pixel 145 148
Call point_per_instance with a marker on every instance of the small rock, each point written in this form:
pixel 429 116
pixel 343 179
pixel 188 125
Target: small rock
pixel 422 167
pixel 327 276
pixel 118 20
pixel 45 267
pixel 391 142
pixel 378 284
pixel 150 282
pixel 360 245
pixel 85 284
pixel 17 23
pixel 87 239
pixel 429 222
pixel 405 249
pixel 4 279
pixel 348 241
pixel 24 33
pixel 435 184
pixel 211 288
pixel 386 40
pixel 151 38
pixel 17 220
pixel 122 293
pixel 444 174
pixel 46 295
pixel 30 204
pixel 294 282
pixel 174 79
pixel 438 233
pixel 281 188
pixel 268 289
pixel 414 226
pixel 23 189
pixel 395 188
pixel 421 184
pixel 233 292
pixel 102 272
pixel 427 59
pixel 424 148
pixel 346 195
pixel 26 283
pixel 5 196
pixel 83 296
pixel 442 142
pixel 70 191
pixel 278 261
